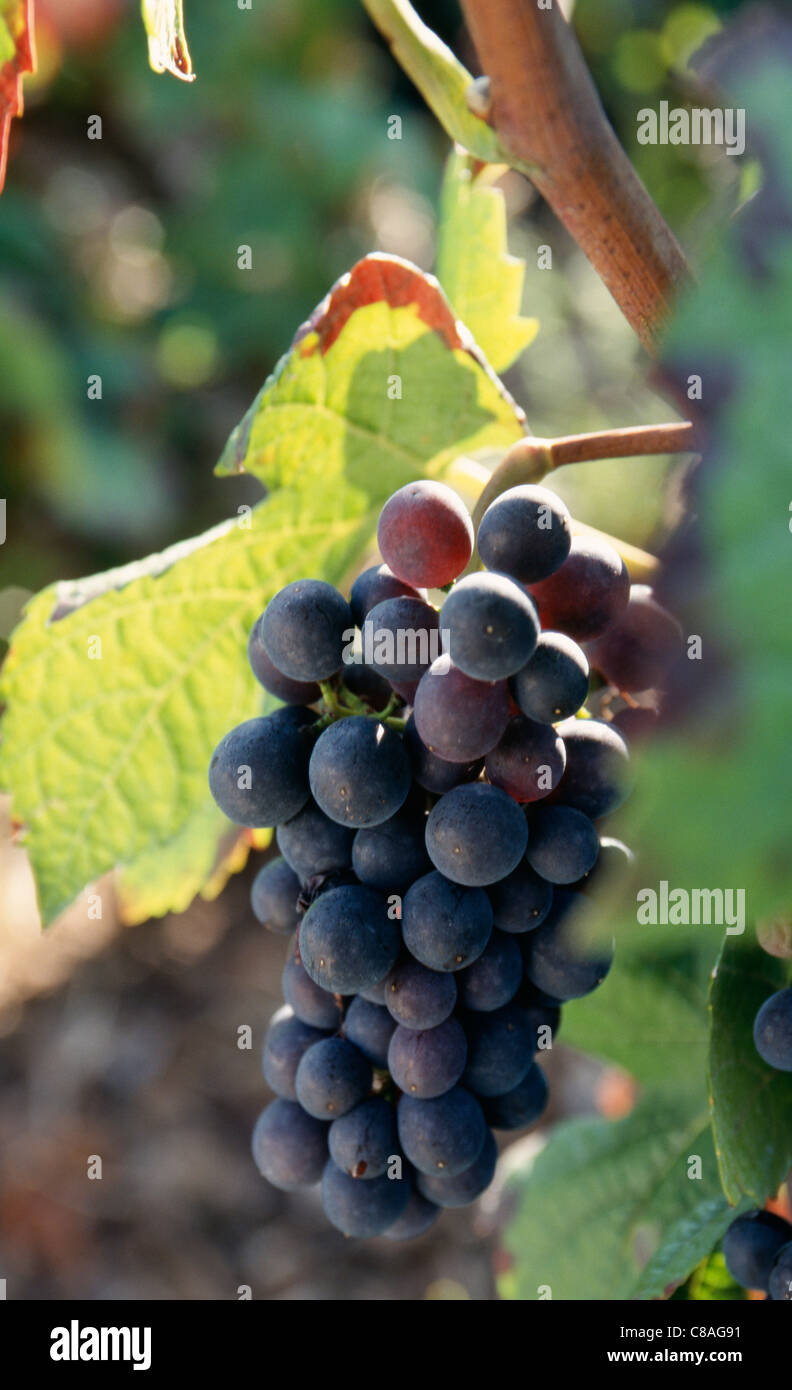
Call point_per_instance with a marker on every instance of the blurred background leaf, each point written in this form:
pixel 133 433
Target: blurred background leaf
pixel 483 282
pixel 650 1018
pixel 705 811
pixel 601 1198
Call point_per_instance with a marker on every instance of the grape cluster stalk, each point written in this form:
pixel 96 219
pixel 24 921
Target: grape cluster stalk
pixel 438 791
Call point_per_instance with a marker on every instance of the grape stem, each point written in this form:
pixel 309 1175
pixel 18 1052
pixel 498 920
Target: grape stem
pixel 546 112
pixel 340 703
pixel 531 459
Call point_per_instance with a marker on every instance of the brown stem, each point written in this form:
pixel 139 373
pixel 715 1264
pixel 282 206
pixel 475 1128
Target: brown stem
pixel 675 438
pixel 546 113
pixel 531 459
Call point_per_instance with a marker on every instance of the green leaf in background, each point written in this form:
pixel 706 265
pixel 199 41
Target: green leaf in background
pixel 483 282
pixel 600 1199
pixel 648 1018
pixel 751 1103
pixel 167 41
pixel 687 1242
pixel 707 804
pixel 118 687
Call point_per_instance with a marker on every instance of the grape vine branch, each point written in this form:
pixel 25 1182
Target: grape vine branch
pixel 531 459
pixel 546 120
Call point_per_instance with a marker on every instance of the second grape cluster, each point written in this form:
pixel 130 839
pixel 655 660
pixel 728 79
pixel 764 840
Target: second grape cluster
pixel 436 802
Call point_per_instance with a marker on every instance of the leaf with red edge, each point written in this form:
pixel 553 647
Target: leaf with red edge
pixel 383 384
pixel 17 57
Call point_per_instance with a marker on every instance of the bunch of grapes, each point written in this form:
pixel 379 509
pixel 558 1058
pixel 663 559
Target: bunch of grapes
pixel 436 802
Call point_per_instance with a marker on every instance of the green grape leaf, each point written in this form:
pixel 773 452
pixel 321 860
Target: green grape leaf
pixel 599 1200
pixel 751 1103
pixel 167 42
pixel 439 76
pixel 687 1242
pixel 118 687
pixel 483 282
pixel 650 1019
pixel 200 859
pixel 16 58
pixel 381 383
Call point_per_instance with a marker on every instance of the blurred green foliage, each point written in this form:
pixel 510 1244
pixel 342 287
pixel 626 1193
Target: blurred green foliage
pixel 119 257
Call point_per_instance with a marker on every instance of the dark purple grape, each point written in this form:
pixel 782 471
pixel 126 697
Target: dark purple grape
pixel 500 1050
pixel 526 532
pixel 522 1106
pixel 445 925
pixel 370 1027
pixel 560 960
pixel 489 626
pixel 375 585
pixel 362 1208
pixel 273 897
pixel 273 680
pixel 465 1187
pixel 587 594
pixel 286 1042
pixel 493 979
pixel 521 901
pixel 305 628
pixel 554 683
pixel 359 772
pixel 436 774
pixel 313 844
pixel 310 1003
pixel 529 761
pixel 417 1217
pixel 363 1141
pixel 392 855
pixel 259 772
pixel 638 650
pixel 772 1030
pixel 428 1063
pixel 597 776
pixel 332 1077
pixel 401 639
pixel 444 1135
pixel 418 997
pixel 457 718
pixel 476 835
pixel 289 1146
pixel 751 1246
pixel 348 943
pixel 562 843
